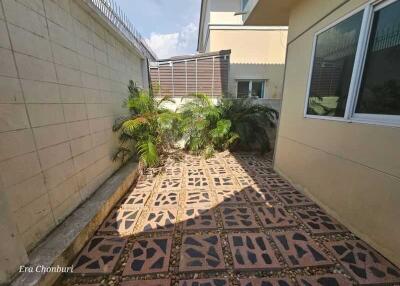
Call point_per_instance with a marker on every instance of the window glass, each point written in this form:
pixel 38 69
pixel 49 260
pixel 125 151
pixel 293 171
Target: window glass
pixel 257 89
pixel 332 68
pixel 243 89
pixel 244 3
pixel 380 85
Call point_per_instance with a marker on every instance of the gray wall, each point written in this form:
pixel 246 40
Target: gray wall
pixel 63 76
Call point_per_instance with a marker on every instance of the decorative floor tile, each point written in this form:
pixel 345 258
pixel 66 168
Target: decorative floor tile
pixel 252 251
pixel 170 184
pixel 145 184
pixel 264 171
pixel 265 282
pixel 259 195
pixel 158 282
pixel 277 183
pixel 196 172
pixel 100 255
pixel 213 162
pixel 160 220
pixel 299 250
pixel 245 181
pixel 197 218
pixel 274 217
pixel 324 280
pixel 201 253
pixel 165 200
pixel 319 222
pixel 135 200
pixel 236 169
pixel 363 263
pixel 121 221
pixel 198 198
pixel 294 199
pixel 238 218
pixel 223 182
pixel 193 162
pixel 230 196
pixel 149 255
pixel 218 170
pixel 205 282
pixel 196 182
pixel 173 171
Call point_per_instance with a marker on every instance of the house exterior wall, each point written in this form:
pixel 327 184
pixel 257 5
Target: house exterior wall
pixel 256 54
pixel 352 169
pixel 63 76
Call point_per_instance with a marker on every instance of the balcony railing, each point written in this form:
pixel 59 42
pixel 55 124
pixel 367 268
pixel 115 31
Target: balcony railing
pixel 117 17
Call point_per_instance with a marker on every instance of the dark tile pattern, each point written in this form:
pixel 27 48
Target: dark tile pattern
pixel 364 264
pixel 227 195
pixel 272 217
pixel 100 255
pixel 238 218
pixel 259 195
pixel 135 200
pixel 201 252
pixel 166 200
pixel 160 220
pixel 252 251
pixel 324 280
pixel 294 199
pixel 149 255
pixel 299 250
pixel 266 282
pixel 170 184
pixel 198 198
pixel 205 282
pixel 199 219
pixel 121 221
pixel 319 222
pixel 230 196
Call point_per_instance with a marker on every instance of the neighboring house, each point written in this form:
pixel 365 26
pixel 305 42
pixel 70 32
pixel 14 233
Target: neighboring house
pixel 257 52
pixel 339 133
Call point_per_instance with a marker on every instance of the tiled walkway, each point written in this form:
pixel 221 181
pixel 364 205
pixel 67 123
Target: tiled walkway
pixel 229 220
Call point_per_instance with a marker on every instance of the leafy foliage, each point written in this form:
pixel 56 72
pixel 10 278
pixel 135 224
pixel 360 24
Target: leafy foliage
pixel 204 128
pixel 250 121
pixel 149 130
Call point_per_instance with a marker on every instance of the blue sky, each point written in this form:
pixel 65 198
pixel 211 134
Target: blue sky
pixel 169 26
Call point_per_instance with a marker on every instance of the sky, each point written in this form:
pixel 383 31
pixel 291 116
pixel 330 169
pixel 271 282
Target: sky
pixel 169 26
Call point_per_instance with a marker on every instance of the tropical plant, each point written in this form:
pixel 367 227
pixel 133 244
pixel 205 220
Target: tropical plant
pixel 204 129
pixel 149 130
pixel 251 122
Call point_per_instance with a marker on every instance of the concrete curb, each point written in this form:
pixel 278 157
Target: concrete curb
pixel 62 245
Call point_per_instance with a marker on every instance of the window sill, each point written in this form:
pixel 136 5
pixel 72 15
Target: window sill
pixel 355 120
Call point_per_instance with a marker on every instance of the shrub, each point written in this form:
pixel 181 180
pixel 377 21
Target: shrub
pixel 250 121
pixel 149 130
pixel 204 128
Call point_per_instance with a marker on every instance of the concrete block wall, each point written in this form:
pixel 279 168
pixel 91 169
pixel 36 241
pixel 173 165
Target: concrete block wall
pixel 63 76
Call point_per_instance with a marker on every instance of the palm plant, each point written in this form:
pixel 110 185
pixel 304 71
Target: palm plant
pixel 149 130
pixel 251 121
pixel 204 128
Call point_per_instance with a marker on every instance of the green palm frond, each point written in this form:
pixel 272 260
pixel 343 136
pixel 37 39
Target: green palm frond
pixel 147 151
pixel 131 125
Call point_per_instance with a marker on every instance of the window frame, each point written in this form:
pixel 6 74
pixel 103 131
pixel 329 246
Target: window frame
pixel 263 81
pixel 359 63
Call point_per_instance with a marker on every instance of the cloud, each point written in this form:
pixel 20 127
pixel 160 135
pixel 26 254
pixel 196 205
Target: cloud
pixel 174 44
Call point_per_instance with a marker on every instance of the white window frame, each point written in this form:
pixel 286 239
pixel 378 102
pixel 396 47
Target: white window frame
pixel 359 62
pixel 263 81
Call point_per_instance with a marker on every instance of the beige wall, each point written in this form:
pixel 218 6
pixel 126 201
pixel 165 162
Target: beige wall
pixel 352 169
pixel 62 79
pixel 255 54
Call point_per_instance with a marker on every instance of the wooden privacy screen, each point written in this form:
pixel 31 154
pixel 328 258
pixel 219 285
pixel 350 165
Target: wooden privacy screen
pixel 205 73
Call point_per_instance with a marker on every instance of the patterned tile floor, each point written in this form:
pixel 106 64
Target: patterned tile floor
pixel 228 220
